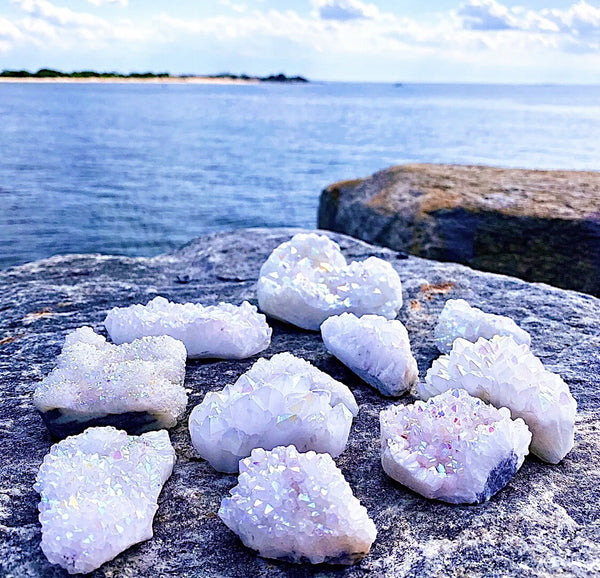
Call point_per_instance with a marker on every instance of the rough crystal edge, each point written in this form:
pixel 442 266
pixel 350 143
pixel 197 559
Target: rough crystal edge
pixel 398 375
pixel 77 562
pixel 62 423
pixel 429 482
pixel 553 435
pixel 204 416
pixel 223 331
pixel 307 302
pixel 460 319
pixel 64 418
pixel 336 555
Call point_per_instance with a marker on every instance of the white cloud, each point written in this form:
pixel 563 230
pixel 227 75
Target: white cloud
pixel 344 10
pixel 8 30
pixel 51 27
pixel 580 18
pixel 479 30
pixel 58 15
pixel 490 15
pixel 236 7
pixel 100 2
pixel 485 15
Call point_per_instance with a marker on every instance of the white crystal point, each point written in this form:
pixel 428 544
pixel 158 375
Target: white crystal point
pixel 454 447
pixel 99 494
pixel 138 385
pixel 222 331
pixel 507 374
pixel 306 280
pixel 375 348
pixel 279 401
pixel 459 319
pixel 297 507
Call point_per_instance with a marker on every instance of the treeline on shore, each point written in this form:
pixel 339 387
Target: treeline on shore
pixel 50 73
pixel 271 78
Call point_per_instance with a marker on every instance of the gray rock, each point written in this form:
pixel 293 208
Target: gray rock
pixel 544 522
pixel 537 225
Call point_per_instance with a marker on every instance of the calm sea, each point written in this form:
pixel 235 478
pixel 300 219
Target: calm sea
pixel 139 169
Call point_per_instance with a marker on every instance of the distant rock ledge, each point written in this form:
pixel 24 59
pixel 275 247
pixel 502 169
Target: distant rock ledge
pixel 537 225
pixel 544 522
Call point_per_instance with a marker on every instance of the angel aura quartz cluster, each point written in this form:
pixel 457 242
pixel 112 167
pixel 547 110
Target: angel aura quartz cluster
pixel 223 331
pixel 136 386
pixel 306 280
pixel 507 374
pixel 454 447
pixel 99 494
pixel 459 319
pixel 375 348
pixel 279 401
pixel 297 507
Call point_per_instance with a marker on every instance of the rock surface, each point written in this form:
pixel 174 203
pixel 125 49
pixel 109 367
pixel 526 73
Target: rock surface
pixel 536 225
pixel 544 522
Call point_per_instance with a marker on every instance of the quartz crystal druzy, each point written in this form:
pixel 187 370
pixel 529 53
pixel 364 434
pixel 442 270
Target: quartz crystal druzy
pixel 297 507
pixel 136 386
pixel 223 331
pixel 459 319
pixel 306 280
pixel 279 401
pixel 99 494
pixel 507 374
pixel 454 447
pixel 375 348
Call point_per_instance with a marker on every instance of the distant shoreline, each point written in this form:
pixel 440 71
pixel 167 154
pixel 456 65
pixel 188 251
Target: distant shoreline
pixel 48 75
pixel 118 80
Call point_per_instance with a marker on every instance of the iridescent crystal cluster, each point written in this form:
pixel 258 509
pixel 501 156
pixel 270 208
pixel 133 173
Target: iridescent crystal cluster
pixel 507 374
pixel 459 319
pixel 306 280
pixel 280 401
pixel 99 494
pixel 375 348
pixel 297 506
pixel 137 386
pixel 222 331
pixel 454 447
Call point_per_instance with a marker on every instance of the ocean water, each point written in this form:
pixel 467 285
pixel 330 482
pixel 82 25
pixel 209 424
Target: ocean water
pixel 137 169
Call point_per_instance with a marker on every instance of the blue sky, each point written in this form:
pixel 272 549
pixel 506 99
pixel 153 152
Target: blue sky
pixel 385 40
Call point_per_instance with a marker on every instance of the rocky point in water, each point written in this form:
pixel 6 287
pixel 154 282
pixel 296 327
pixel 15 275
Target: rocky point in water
pixel 536 225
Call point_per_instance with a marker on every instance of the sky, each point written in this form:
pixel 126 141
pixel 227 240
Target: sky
pixel 540 41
